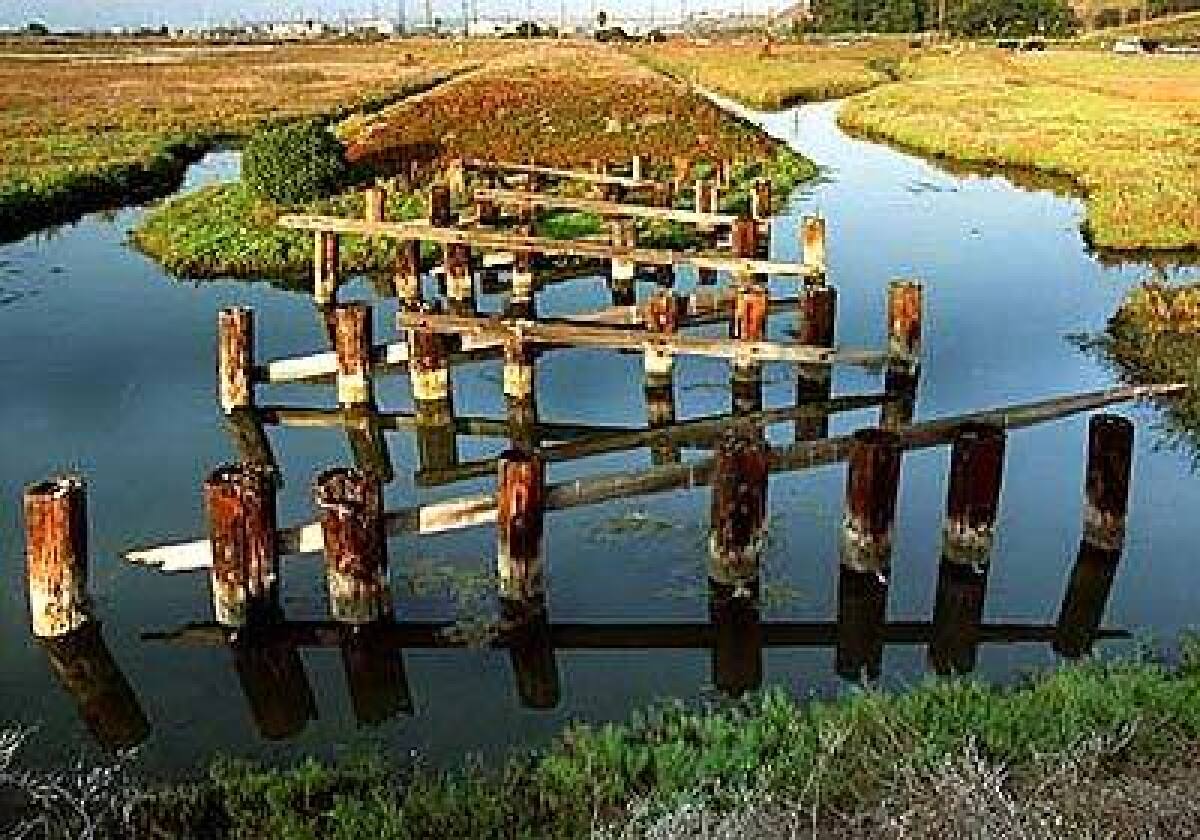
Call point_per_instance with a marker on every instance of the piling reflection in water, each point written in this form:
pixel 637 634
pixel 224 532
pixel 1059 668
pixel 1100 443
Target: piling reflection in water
pixel 86 670
pixel 862 612
pixel 276 687
pixel 957 618
pixel 531 651
pixel 737 641
pixel 375 675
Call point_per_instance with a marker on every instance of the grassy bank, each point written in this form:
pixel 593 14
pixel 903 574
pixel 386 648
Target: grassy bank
pixel 789 74
pixel 1119 128
pixel 565 106
pixel 825 761
pixel 80 132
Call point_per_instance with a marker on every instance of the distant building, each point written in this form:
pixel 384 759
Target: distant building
pixel 375 26
pixel 298 30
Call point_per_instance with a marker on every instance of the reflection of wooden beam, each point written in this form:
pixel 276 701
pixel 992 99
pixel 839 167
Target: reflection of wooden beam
pixel 701 307
pixel 697 433
pixel 479 238
pixel 478 165
pixel 481 509
pixel 490 330
pixel 608 209
pixel 605 636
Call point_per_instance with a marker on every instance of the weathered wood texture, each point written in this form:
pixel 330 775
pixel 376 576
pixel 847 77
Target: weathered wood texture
pixel 607 209
pixel 353 347
pixel 519 524
pixel 738 520
pixel 872 486
pixel 56 556
pixel 235 358
pixel 356 568
pixel 957 617
pixel 973 495
pixel 242 526
pixel 1109 465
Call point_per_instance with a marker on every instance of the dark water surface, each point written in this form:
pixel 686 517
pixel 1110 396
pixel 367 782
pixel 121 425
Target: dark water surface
pixel 108 369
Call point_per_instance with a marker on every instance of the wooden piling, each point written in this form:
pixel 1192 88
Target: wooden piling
pixel 235 358
pixel 624 234
pixel 326 267
pixel 973 495
pixel 375 204
pixel 356 569
pixel 738 523
pixel 1109 465
pixel 760 199
pixel 812 236
pixel 368 446
pixel 957 618
pixel 518 370
pixel 743 237
pixel 816 319
pixel 904 331
pixel 487 212
pixel 86 669
pixel 661 316
pixel 460 285
pixel 408 274
pixel 242 527
pixel 441 212
pixel 749 324
pixel 428 366
pixel 522 298
pixel 872 486
pixel 353 342
pixel 249 435
pixel 737 653
pixel 521 497
pixel 862 612
pixel 56 555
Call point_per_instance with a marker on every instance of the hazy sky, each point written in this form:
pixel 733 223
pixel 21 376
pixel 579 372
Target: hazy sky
pixel 63 14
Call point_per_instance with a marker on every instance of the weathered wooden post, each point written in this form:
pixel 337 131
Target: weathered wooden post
pixel 737 536
pixel 521 489
pixel 374 671
pixel 861 618
pixel 623 270
pixel 743 237
pixel 245 427
pixel 973 495
pixel 522 299
pixel 242 528
pixel 872 486
pixel 353 346
pixel 750 325
pixel 375 204
pixel 812 239
pixel 235 358
pixel 957 617
pixel 460 284
pixel 519 380
pixel 816 321
pixel 56 556
pixel 350 504
pixel 531 651
pixel 326 266
pixel 368 446
pixel 456 179
pixel 1109 464
pixel 904 346
pixel 408 274
pixel 660 414
pixel 84 667
pixel 441 210
pixel 661 316
pixel 760 200
pixel 737 658
pixel 429 377
pixel 276 686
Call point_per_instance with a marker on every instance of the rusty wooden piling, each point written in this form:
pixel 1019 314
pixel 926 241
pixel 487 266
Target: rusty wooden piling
pixel 861 616
pixel 242 527
pixel 957 618
pixel 441 209
pixel 743 237
pixel 816 319
pixel 973 495
pixel 375 204
pixel 749 324
pixel 1109 465
pixel 353 342
pixel 235 358
pixel 521 499
pixel 737 534
pixel 56 555
pixel 407 274
pixel 760 200
pixel 246 429
pixel 428 366
pixel 460 283
pixel 86 669
pixel 812 240
pixel 904 305
pixel 872 486
pixel 326 267
pixel 661 316
pixel 350 504
pixel 737 653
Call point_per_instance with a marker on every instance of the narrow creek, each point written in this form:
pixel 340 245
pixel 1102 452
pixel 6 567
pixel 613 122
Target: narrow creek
pixel 109 364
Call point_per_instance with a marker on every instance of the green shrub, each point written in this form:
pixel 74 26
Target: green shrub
pixel 294 163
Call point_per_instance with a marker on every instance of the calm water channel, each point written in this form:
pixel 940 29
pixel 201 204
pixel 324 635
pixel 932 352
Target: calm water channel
pixel 108 369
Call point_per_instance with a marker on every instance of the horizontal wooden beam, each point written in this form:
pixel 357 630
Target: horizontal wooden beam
pixel 478 165
pixel 603 636
pixel 480 509
pixel 494 240
pixel 607 209
pixel 700 307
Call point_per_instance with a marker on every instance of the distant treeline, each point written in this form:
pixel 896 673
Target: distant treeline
pixel 982 17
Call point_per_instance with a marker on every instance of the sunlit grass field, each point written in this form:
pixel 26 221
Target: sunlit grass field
pixel 1125 128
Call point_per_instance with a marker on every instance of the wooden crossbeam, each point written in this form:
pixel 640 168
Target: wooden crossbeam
pixel 699 308
pixel 477 165
pixel 608 209
pixel 606 636
pixel 496 240
pixel 480 509
pixel 476 331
